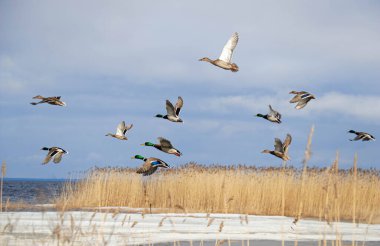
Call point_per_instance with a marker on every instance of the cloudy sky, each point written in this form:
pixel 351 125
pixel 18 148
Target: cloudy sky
pixel 121 60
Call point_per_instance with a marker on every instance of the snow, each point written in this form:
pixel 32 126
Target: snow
pixel 81 227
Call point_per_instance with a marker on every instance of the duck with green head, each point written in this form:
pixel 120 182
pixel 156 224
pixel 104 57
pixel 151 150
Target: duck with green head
pixel 272 116
pixel 150 165
pixel 165 146
pixel 172 112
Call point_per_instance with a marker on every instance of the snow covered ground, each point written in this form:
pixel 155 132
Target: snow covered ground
pixel 121 228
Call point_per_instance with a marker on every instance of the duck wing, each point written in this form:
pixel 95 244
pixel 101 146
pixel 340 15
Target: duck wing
pixel 58 157
pixel 120 128
pixel 278 145
pixel 127 127
pixel 304 99
pixel 165 143
pixel 170 108
pixel 178 105
pixel 274 113
pixel 52 152
pixel 287 142
pixel 295 99
pixel 146 169
pixel 229 48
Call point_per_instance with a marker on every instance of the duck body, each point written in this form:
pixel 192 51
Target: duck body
pixel 172 111
pixel 150 165
pixel 224 61
pixel 280 149
pixel 222 64
pixel 364 136
pixel 54 152
pixel 165 146
pixel 272 116
pixel 301 98
pixel 50 100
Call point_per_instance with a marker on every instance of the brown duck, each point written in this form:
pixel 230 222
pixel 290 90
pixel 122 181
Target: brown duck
pixel 280 149
pixel 224 61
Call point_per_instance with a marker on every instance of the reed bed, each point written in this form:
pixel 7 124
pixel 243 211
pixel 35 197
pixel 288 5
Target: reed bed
pixel 327 193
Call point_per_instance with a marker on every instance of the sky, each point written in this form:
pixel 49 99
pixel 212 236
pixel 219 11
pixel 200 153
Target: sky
pixel 121 60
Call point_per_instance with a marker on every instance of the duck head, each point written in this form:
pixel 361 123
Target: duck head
pixel 206 59
pixel 148 144
pixel 140 157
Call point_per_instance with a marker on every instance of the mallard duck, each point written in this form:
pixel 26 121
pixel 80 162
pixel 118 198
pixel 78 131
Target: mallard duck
pixel 362 136
pixel 280 149
pixel 55 152
pixel 120 131
pixel 301 98
pixel 172 112
pixel 50 100
pixel 224 60
pixel 164 146
pixel 150 165
pixel 272 116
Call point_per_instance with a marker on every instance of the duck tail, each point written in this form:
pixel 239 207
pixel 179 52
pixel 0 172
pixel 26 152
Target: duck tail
pixel 45 148
pixel 33 103
pixel 159 116
pixel 351 131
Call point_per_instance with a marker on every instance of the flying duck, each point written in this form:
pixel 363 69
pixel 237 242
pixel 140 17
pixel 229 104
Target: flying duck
pixel 362 136
pixel 172 112
pixel 165 146
pixel 50 100
pixel 120 131
pixel 224 61
pixel 280 149
pixel 150 165
pixel 272 116
pixel 301 98
pixel 55 152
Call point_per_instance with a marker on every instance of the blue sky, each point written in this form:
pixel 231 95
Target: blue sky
pixel 122 60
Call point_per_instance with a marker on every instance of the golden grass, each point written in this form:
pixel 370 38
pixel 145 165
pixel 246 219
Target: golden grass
pixel 328 193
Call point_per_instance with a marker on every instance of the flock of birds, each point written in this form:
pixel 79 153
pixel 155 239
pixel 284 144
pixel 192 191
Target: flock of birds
pixel 151 164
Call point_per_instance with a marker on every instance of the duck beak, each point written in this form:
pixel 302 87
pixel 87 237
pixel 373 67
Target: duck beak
pixel 142 144
pixel 133 157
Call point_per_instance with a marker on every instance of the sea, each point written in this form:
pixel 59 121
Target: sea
pixel 32 191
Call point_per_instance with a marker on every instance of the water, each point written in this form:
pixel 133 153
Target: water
pixel 32 191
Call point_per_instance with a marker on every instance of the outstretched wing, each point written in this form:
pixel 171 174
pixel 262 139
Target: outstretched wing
pixel 120 128
pixel 287 142
pixel 301 104
pixel 58 157
pixel 278 145
pixel 229 48
pixel 165 143
pixel 295 99
pixel 178 105
pixel 127 127
pixel 170 108
pixel 52 152
pixel 274 113
pixel 304 99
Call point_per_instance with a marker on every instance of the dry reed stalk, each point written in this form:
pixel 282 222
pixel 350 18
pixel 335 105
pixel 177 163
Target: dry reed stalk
pixel 3 171
pixel 221 226
pixel 304 173
pixel 133 224
pixel 354 188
